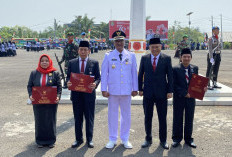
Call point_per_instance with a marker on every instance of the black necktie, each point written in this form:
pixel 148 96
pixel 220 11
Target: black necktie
pixel 120 56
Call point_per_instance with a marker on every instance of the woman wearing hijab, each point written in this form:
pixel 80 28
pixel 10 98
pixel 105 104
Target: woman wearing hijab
pixel 45 114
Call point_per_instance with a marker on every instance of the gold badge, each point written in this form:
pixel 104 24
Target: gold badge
pixel 118 33
pixel 113 66
pixel 50 81
pixel 126 62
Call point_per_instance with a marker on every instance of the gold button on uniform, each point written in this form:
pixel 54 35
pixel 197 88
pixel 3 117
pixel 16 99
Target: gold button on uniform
pixel 121 82
pixel 121 75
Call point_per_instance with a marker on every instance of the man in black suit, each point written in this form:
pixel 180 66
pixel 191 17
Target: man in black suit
pixel 156 86
pixel 84 103
pixel 182 75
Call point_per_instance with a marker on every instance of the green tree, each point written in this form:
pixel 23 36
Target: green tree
pixel 195 34
pixel 227 45
pixel 6 33
pixel 100 31
pixel 81 24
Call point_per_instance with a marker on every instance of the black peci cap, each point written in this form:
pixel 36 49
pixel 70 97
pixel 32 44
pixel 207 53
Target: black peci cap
pixel 186 51
pixel 154 41
pixel 84 43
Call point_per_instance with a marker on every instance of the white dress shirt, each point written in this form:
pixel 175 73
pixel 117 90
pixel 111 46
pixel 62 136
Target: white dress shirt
pixel 152 59
pixel 80 62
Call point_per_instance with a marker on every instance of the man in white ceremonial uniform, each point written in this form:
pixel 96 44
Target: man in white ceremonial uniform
pixel 119 83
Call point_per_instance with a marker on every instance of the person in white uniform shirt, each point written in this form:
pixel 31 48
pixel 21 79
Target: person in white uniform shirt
pixel 119 82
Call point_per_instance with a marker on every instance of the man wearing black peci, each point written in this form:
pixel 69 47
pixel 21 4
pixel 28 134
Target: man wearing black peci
pixel 157 87
pixel 182 103
pixel 84 103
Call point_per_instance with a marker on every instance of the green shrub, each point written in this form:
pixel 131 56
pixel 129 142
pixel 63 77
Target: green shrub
pixel 227 45
pixel 172 46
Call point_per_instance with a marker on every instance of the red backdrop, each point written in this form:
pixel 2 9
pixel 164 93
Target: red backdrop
pixel 159 28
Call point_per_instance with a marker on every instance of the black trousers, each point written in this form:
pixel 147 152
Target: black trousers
pixel 161 107
pixel 91 50
pixel 217 59
pixel 14 52
pixel 10 52
pixel 181 105
pixel 177 53
pixel 83 107
pixel 4 54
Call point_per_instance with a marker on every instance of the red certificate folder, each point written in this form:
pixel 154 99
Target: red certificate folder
pixel 81 82
pixel 197 85
pixel 44 95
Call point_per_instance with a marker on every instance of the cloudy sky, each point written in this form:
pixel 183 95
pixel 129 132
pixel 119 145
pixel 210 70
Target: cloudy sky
pixel 39 14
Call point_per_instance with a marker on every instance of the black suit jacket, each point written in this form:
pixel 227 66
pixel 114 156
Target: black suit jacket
pixel 34 80
pixel 156 84
pixel 180 83
pixel 92 68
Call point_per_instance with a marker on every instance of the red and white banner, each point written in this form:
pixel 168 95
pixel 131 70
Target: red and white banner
pixel 157 28
pixel 119 25
pixel 153 28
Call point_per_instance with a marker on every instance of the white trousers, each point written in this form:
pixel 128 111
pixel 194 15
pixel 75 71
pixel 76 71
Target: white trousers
pixel 124 101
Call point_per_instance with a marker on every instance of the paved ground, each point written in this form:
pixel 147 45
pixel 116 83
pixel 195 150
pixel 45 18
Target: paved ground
pixel 212 125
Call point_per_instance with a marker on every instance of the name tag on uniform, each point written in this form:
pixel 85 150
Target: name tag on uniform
pixel 127 60
pixel 114 59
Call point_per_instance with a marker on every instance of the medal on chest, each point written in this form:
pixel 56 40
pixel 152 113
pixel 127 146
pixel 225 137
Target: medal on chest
pixel 113 65
pixel 50 77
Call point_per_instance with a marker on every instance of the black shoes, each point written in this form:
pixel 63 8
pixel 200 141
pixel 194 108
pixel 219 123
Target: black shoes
pixel 40 146
pixel 191 144
pixel 164 145
pixel 146 144
pixel 51 145
pixel 213 86
pixel 76 144
pixel 90 144
pixel 175 144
